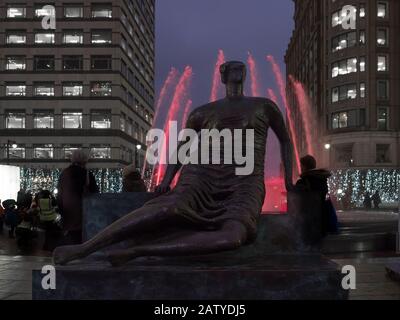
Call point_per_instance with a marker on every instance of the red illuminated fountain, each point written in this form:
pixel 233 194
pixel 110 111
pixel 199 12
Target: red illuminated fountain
pixel 304 105
pixel 216 83
pixel 181 93
pixel 255 87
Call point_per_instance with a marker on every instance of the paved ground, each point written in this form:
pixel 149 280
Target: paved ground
pixel 372 281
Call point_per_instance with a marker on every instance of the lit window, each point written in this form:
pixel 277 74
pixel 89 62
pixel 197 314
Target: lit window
pixel 122 121
pixel 344 93
pixel 43 63
pixel 73 37
pixel 101 89
pixel 344 67
pixel 362 89
pixel 16 12
pixel 72 62
pixel 382 64
pixel 15 63
pixel 72 120
pixel 43 151
pixel 382 119
pixel 102 11
pixel 44 90
pixel 15 90
pixel 71 89
pixel 45 11
pixel 73 12
pixel 15 120
pixel 43 120
pixel 101 62
pixel 362 11
pixel 362 37
pixel 362 64
pixel 44 38
pixel 344 41
pixel 101 119
pixel 101 36
pixel 68 150
pixel 339 120
pixel 382 10
pixel 123 43
pixel 16 152
pixel 17 37
pixel 382 37
pixel 100 152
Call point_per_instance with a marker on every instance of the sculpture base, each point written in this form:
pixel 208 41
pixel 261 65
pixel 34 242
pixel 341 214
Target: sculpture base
pixel 393 271
pixel 227 277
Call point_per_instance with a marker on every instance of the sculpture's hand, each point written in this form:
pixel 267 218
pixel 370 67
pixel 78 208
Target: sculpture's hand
pixel 162 188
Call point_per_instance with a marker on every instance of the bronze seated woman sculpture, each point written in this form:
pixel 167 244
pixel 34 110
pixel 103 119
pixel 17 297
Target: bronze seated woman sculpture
pixel 211 209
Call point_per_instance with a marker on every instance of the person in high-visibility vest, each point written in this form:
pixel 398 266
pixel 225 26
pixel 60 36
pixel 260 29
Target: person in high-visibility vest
pixel 49 218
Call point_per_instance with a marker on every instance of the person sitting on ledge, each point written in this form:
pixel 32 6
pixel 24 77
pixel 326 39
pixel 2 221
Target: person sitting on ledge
pixel 212 208
pixel 316 180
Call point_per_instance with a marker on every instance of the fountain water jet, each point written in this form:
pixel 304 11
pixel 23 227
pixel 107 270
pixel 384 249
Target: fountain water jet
pixel 255 87
pixel 304 108
pixel 216 84
pixel 282 89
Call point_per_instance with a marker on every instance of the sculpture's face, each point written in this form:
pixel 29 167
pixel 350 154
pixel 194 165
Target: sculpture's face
pixel 233 72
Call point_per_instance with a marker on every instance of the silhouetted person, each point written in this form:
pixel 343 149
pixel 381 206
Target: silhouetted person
pixel 316 180
pixel 367 201
pixel 376 199
pixel 75 181
pixel 132 180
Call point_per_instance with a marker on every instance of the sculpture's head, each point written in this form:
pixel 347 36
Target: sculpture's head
pixel 233 72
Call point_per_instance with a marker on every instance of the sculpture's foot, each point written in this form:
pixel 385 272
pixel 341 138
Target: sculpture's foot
pixel 65 254
pixel 119 258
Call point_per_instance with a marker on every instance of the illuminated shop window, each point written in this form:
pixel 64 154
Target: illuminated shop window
pixel 16 90
pixel 14 11
pixel 44 89
pixel 43 120
pixel 100 152
pixel 101 89
pixel 101 119
pixel 44 38
pixel 15 63
pixel 72 89
pixel 16 37
pixel 72 120
pixel 15 120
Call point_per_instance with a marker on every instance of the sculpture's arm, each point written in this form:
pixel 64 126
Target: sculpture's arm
pixel 277 123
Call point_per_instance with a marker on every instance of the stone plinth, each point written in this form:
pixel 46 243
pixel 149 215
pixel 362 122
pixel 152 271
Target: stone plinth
pixel 226 276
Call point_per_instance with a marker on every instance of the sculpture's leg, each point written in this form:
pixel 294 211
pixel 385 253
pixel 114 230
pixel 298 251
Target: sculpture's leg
pixel 231 236
pixel 125 228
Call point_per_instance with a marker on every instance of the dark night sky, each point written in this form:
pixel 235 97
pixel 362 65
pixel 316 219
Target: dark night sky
pixel 190 32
